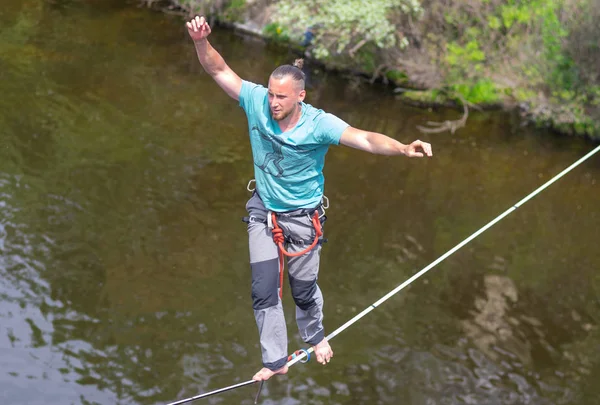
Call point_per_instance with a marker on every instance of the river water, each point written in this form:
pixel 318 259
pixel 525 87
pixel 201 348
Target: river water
pixel 123 261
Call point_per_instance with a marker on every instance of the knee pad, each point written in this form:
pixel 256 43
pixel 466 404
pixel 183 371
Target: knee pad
pixel 303 293
pixel 265 283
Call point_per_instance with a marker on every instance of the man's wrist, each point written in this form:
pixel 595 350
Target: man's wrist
pixel 403 149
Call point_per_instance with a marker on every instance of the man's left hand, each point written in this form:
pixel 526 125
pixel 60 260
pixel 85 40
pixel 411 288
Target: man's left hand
pixel 418 149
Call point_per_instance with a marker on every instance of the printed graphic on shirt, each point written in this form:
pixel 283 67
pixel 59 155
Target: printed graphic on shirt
pixel 270 147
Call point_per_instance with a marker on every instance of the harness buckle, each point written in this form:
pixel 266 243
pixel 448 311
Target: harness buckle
pixel 270 220
pixel 252 219
pixel 322 213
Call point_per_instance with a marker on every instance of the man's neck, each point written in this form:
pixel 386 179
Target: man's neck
pixel 291 120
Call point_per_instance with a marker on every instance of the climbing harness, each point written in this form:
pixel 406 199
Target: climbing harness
pixel 300 355
pixel 317 218
pixel 279 240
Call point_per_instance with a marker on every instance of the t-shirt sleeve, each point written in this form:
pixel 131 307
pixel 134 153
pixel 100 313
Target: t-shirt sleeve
pixel 331 129
pixel 250 94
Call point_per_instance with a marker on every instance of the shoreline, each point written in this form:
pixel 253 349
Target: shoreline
pixel 558 118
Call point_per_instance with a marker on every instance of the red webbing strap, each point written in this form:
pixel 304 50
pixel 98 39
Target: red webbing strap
pixel 279 240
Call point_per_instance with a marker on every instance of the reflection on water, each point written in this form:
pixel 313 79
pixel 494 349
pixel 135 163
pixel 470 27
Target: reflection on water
pixel 37 369
pixel 123 260
pixel 491 326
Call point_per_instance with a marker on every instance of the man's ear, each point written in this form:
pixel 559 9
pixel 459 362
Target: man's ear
pixel 301 95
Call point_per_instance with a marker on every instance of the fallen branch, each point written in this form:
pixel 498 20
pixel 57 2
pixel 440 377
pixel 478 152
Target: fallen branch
pixel 378 71
pixel 452 126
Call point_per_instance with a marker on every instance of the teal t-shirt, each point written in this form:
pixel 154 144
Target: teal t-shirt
pixel 288 166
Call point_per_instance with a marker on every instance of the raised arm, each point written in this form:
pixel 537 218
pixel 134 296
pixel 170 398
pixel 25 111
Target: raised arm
pixel 212 62
pixel 374 142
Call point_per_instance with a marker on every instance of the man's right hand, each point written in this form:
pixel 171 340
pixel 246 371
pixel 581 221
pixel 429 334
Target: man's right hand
pixel 198 28
pixel 210 59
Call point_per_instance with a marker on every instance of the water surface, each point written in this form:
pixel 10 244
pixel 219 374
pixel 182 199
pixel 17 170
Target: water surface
pixel 123 268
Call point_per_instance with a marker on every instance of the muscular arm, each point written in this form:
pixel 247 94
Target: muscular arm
pixel 380 144
pixel 212 62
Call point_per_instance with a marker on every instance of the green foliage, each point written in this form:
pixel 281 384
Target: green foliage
pixel 426 97
pixel 555 68
pixel 192 6
pixel 276 32
pixel 594 95
pixel 396 76
pixel 569 119
pixel 494 22
pixel 524 94
pixel 536 51
pixel 510 27
pixel 344 26
pixel 484 91
pixel 469 56
pixel 234 10
pixel 525 43
pixel 228 10
pixel 560 72
pixel 367 59
pixel 516 13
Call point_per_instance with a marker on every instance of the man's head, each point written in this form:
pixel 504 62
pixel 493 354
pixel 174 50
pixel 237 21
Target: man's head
pixel 286 90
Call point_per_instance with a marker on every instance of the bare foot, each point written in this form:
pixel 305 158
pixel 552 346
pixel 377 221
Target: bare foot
pixel 323 352
pixel 264 374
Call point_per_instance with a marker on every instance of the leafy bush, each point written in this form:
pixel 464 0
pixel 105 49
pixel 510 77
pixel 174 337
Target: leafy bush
pixel 484 91
pixel 276 32
pixel 344 26
pixel 227 9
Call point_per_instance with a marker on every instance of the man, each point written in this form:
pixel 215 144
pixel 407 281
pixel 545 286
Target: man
pixel 289 141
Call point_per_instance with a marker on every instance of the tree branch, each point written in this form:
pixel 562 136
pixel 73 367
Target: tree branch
pixel 452 126
pixel 378 71
pixel 357 47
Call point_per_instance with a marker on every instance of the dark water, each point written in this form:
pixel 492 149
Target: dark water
pixel 123 265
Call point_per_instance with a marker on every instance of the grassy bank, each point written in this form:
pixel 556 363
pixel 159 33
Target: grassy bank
pixel 540 56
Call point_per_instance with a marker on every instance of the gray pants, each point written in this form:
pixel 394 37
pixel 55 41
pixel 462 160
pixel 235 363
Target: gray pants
pixel 302 274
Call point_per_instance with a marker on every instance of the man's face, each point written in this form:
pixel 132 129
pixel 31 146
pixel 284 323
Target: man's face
pixel 284 96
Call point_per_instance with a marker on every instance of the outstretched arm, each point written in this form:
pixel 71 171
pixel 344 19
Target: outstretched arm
pixel 212 62
pixel 374 142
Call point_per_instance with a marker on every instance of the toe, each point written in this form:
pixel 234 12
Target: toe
pixel 260 376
